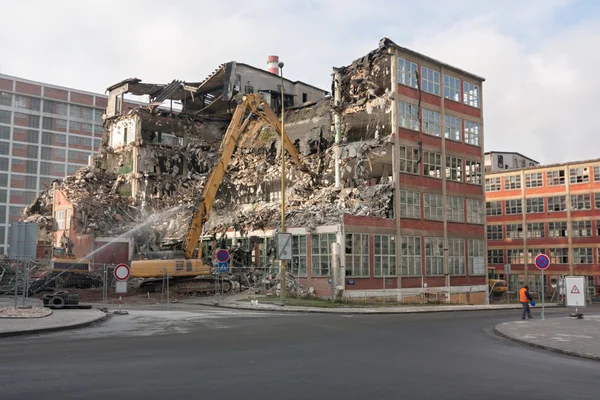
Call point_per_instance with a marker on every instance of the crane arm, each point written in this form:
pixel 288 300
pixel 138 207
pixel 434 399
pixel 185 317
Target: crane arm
pixel 266 113
pixel 205 201
pixel 238 124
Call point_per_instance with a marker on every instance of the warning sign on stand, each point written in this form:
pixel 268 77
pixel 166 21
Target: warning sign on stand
pixel 575 291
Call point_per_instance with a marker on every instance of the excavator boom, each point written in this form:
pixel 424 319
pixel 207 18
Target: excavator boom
pixel 258 107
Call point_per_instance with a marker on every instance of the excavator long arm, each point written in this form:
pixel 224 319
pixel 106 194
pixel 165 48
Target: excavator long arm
pixel 205 202
pixel 238 124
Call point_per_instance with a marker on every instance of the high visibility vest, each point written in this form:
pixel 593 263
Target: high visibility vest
pixel 523 296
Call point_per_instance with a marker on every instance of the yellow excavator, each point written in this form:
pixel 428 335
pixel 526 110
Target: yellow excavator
pixel 186 270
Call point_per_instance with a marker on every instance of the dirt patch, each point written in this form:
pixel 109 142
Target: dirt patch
pixel 34 312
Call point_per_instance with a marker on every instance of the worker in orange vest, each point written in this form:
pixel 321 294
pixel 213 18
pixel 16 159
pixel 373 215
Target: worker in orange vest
pixel 525 298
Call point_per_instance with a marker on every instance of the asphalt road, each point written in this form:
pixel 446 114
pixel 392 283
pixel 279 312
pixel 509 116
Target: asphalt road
pixel 219 354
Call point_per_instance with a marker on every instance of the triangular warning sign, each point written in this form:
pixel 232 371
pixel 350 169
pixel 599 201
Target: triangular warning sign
pixel 575 290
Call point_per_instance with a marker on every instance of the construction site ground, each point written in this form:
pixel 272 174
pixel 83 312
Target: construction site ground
pixel 244 301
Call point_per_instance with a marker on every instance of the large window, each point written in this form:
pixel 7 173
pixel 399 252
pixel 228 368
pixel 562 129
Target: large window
pixel 471 94
pixel 597 201
pixel 434 256
pixel 5 117
pixel 493 208
pixel 535 230
pixel 321 253
pixel 476 260
pixel 559 256
pixel 411 255
pixel 455 209
pixel 408 115
pixel 514 207
pixel 512 182
pixel 555 178
pixel 579 175
pixel 299 258
pixel 410 204
pixel 451 88
pixel 533 179
pixel 472 133
pixel 515 256
pixel 493 184
pixel 581 202
pixel 384 255
pixel 6 99
pixel 581 228
pixel 557 203
pixel 456 256
pixel 454 168
pixel 408 160
pixel 432 206
pixel 357 254
pixel 496 256
pixel 557 229
pixel 535 205
pixel 596 173
pixel 494 232
pixel 407 73
pixel 453 128
pixel 60 219
pixel 432 164
pixel 473 172
pixel 475 212
pixel 514 231
pixel 430 81
pixel 432 122
pixel 583 255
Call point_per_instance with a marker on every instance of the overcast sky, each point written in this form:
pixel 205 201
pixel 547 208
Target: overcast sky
pixel 541 59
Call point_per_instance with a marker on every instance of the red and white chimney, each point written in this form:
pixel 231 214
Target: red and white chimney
pixel 273 64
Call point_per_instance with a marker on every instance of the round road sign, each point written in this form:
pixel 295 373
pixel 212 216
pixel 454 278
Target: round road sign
pixel 223 255
pixel 542 261
pixel 122 272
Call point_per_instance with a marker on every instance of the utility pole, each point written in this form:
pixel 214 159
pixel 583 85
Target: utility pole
pixel 283 262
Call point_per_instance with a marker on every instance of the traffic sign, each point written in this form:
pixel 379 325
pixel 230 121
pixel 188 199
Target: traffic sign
pixel 284 246
pixel 223 255
pixel 223 267
pixel 122 272
pixel 542 261
pixel 575 291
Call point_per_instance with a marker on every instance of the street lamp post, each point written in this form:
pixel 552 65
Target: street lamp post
pixel 283 262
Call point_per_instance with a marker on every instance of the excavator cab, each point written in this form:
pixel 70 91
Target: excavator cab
pixel 497 286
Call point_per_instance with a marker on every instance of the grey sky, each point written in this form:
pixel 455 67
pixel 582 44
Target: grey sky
pixel 539 58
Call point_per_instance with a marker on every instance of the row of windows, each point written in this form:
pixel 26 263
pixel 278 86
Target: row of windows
pixel 51 106
pixel 535 179
pixel 536 205
pixel 48 123
pixel 410 207
pixel 537 230
pixel 357 249
pixel 583 255
pixel 408 117
pixel 430 82
pixel 31 167
pixel 434 168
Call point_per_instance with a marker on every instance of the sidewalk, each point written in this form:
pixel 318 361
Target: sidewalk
pixel 233 302
pixel 564 335
pixel 58 320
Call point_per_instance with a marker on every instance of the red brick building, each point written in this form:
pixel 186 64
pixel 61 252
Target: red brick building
pixel 550 209
pixel 433 243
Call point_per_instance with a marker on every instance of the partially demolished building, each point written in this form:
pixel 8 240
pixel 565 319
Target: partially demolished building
pixel 396 156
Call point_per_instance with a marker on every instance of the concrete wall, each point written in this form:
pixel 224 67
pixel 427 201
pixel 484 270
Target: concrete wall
pixel 264 80
pixel 123 131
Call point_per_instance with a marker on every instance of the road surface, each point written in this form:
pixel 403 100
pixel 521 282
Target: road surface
pixel 223 354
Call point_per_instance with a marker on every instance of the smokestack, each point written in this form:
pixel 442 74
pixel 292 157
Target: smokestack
pixel 272 62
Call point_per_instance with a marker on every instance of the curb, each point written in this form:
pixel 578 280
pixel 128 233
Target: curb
pixel 55 328
pixel 352 311
pixel 543 347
